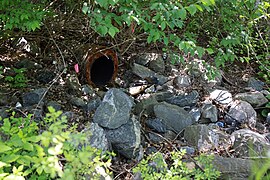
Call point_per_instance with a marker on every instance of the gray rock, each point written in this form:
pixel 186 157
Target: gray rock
pixel 255 84
pixel 92 105
pixel 97 137
pixel 174 117
pixel 155 138
pixel 241 113
pixel 196 113
pixel 45 76
pixel 162 96
pixel 55 105
pixel 156 125
pixel 206 138
pixel 189 100
pixel 31 98
pixel 181 81
pixel 247 143
pixel 189 150
pixel 78 102
pixel 74 86
pixel 209 113
pixel 28 64
pixel 146 106
pixel 144 72
pixel 87 90
pixel 256 99
pixel 233 168
pixel 157 63
pixel 4 113
pixel 126 139
pixel 221 97
pixel 114 110
pixel 268 118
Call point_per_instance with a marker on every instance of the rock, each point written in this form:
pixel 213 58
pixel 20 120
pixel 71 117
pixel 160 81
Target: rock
pixel 136 89
pixel 162 96
pixel 209 113
pixel 155 138
pixel 196 113
pixel 92 105
pixel 144 72
pixel 54 104
pixel 233 168
pixel 28 64
pixel 256 99
pixel 221 97
pixel 97 137
pixel 241 113
pixel 156 125
pixel 143 59
pixel 146 106
pixel 45 76
pixel 189 150
pixel 206 138
pixel 268 118
pixel 126 139
pixel 78 102
pixel 157 63
pixel 186 100
pixel 114 110
pixel 34 97
pixel 87 90
pixel 4 113
pixel 247 143
pixel 255 84
pixel 181 82
pixel 174 117
pixel 74 86
pixel 150 150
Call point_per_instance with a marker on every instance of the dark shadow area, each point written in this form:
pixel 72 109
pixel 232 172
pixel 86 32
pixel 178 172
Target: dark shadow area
pixel 102 71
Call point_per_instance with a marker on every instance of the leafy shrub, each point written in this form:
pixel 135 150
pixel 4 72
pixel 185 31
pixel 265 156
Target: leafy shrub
pixel 19 80
pixel 21 14
pixel 155 167
pixel 29 152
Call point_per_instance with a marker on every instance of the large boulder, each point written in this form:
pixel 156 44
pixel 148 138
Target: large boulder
pixel 114 110
pixel 174 117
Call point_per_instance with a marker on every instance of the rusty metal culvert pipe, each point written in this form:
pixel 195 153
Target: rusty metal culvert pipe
pixel 101 66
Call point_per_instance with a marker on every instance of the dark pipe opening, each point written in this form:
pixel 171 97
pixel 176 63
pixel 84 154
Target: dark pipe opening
pixel 102 70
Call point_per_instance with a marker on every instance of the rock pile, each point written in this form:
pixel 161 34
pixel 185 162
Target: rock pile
pixel 170 104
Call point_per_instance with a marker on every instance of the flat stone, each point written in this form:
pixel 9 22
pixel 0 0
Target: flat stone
pixel 196 113
pixel 157 63
pixel 126 139
pixel 174 117
pixel 28 64
pixel 206 138
pixel 221 97
pixel 146 106
pixel 189 100
pixel 233 168
pixel 33 97
pixel 181 82
pixel 255 84
pixel 92 105
pixel 156 125
pixel 55 105
pixel 78 102
pixel 242 113
pixel 144 72
pixel 247 143
pixel 45 76
pixel 256 99
pixel 114 110
pixel 209 113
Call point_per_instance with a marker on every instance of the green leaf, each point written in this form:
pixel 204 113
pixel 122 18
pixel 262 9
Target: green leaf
pixel 191 9
pixel 11 158
pixel 7 125
pixel 163 25
pixel 4 148
pixel 85 8
pixel 112 31
pixel 166 41
pixel 28 146
pixel 210 50
pixel 200 51
pixel 149 39
pixel 2 164
pixel 265 112
pixel 199 7
pixel 183 13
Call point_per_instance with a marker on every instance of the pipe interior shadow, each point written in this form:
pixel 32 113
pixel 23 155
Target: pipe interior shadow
pixel 102 71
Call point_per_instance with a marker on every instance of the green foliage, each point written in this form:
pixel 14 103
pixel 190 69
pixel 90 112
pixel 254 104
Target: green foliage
pixel 28 152
pixel 21 14
pixel 161 21
pixel 19 80
pixel 260 169
pixel 155 167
